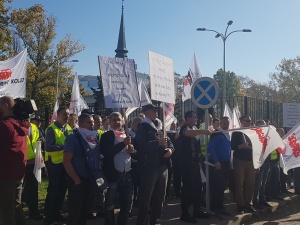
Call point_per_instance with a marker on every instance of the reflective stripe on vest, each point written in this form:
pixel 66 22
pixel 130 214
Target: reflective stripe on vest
pixel 274 155
pixel 58 156
pixel 100 132
pixel 35 134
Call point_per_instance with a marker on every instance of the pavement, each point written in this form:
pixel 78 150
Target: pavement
pixel 172 211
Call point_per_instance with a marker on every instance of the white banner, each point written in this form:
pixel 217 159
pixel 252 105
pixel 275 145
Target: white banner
pixel 291 114
pixel 119 82
pixel 144 98
pixel 13 76
pixel 161 78
pixel 236 118
pixel 39 162
pixel 77 103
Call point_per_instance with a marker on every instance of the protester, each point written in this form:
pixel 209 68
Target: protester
pixel 56 135
pixel 81 157
pixel 216 123
pixel 244 173
pixel 116 148
pixel 12 162
pixel 190 164
pixel 30 192
pixel 219 148
pixel 105 124
pixel 154 151
pixel 98 125
pixel 203 137
pixel 72 121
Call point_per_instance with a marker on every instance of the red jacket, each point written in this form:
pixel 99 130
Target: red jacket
pixel 13 148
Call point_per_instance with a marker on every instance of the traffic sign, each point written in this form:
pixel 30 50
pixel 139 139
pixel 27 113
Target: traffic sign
pixel 205 92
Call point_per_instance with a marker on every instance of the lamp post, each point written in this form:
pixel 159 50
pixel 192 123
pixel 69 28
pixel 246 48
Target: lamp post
pixel 224 38
pixel 57 75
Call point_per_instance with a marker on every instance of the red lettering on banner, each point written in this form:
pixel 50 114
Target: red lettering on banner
pixel 5 74
pixel 262 138
pixel 295 146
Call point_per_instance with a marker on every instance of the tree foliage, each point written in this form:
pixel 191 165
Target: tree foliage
pixel 47 62
pixel 6 39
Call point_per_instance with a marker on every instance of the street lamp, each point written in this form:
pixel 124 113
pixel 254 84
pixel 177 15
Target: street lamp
pixel 224 38
pixel 57 75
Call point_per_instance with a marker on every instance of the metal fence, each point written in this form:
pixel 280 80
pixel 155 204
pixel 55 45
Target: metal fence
pixel 256 108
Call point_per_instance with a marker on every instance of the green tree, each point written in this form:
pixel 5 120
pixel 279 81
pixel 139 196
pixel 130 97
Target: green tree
pixel 36 29
pixel 6 39
pixel 287 80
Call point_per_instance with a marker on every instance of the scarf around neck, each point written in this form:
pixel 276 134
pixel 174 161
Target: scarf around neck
pixel 151 123
pixel 90 136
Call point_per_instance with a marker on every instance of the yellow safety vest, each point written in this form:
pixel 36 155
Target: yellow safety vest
pixel 202 144
pixel 274 155
pixel 35 134
pixel 100 132
pixel 58 156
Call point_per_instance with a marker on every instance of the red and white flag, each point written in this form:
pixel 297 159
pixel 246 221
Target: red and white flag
pixel 54 114
pixel 291 152
pixel 77 103
pixel 169 115
pixel 193 74
pixel 13 76
pixel 264 140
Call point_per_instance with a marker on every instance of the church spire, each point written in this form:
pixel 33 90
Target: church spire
pixel 121 49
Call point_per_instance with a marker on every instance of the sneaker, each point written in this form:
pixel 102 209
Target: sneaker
pixel 266 204
pixel 198 213
pixel 250 209
pixel 186 217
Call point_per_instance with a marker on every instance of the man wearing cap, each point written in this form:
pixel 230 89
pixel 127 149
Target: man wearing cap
pixel 30 193
pixel 154 151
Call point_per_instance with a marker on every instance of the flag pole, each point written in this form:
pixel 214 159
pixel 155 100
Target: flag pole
pixel 125 121
pixel 164 119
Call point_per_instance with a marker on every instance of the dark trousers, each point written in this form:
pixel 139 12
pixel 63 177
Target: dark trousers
pixel 30 191
pixel 177 178
pixel 273 180
pixel 79 201
pixel 297 180
pixel 124 187
pixel 10 202
pixel 56 191
pixel 259 195
pixel 152 191
pixel 244 175
pixel 218 183
pixel 191 186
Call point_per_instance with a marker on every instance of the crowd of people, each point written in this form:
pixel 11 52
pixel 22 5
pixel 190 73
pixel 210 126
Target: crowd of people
pixel 139 166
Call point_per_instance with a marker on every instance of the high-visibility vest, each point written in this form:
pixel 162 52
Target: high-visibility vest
pixel 100 132
pixel 58 156
pixel 35 134
pixel 274 155
pixel 202 144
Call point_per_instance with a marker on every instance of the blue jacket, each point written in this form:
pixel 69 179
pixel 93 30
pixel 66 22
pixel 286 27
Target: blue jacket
pixel 219 148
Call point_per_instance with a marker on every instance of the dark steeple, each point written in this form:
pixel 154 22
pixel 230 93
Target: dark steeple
pixel 121 49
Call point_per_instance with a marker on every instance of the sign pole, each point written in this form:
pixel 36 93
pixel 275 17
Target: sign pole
pixel 206 165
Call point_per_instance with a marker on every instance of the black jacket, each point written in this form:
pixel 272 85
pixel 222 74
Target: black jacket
pixel 108 149
pixel 149 153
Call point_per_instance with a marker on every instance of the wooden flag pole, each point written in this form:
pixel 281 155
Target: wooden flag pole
pixel 164 119
pixel 125 121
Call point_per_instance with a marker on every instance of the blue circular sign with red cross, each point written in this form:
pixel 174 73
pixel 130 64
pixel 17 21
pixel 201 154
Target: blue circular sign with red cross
pixel 205 92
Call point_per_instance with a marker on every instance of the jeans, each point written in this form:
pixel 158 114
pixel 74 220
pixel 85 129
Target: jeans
pixel 260 183
pixel 56 191
pixel 124 186
pixel 10 202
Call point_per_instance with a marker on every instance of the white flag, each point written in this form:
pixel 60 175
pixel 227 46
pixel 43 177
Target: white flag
pixel 291 152
pixel 193 74
pixel 264 140
pixel 227 112
pixel 169 115
pixel 77 103
pixel 13 76
pixel 235 118
pixel 54 114
pixel 144 98
pixel 39 162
